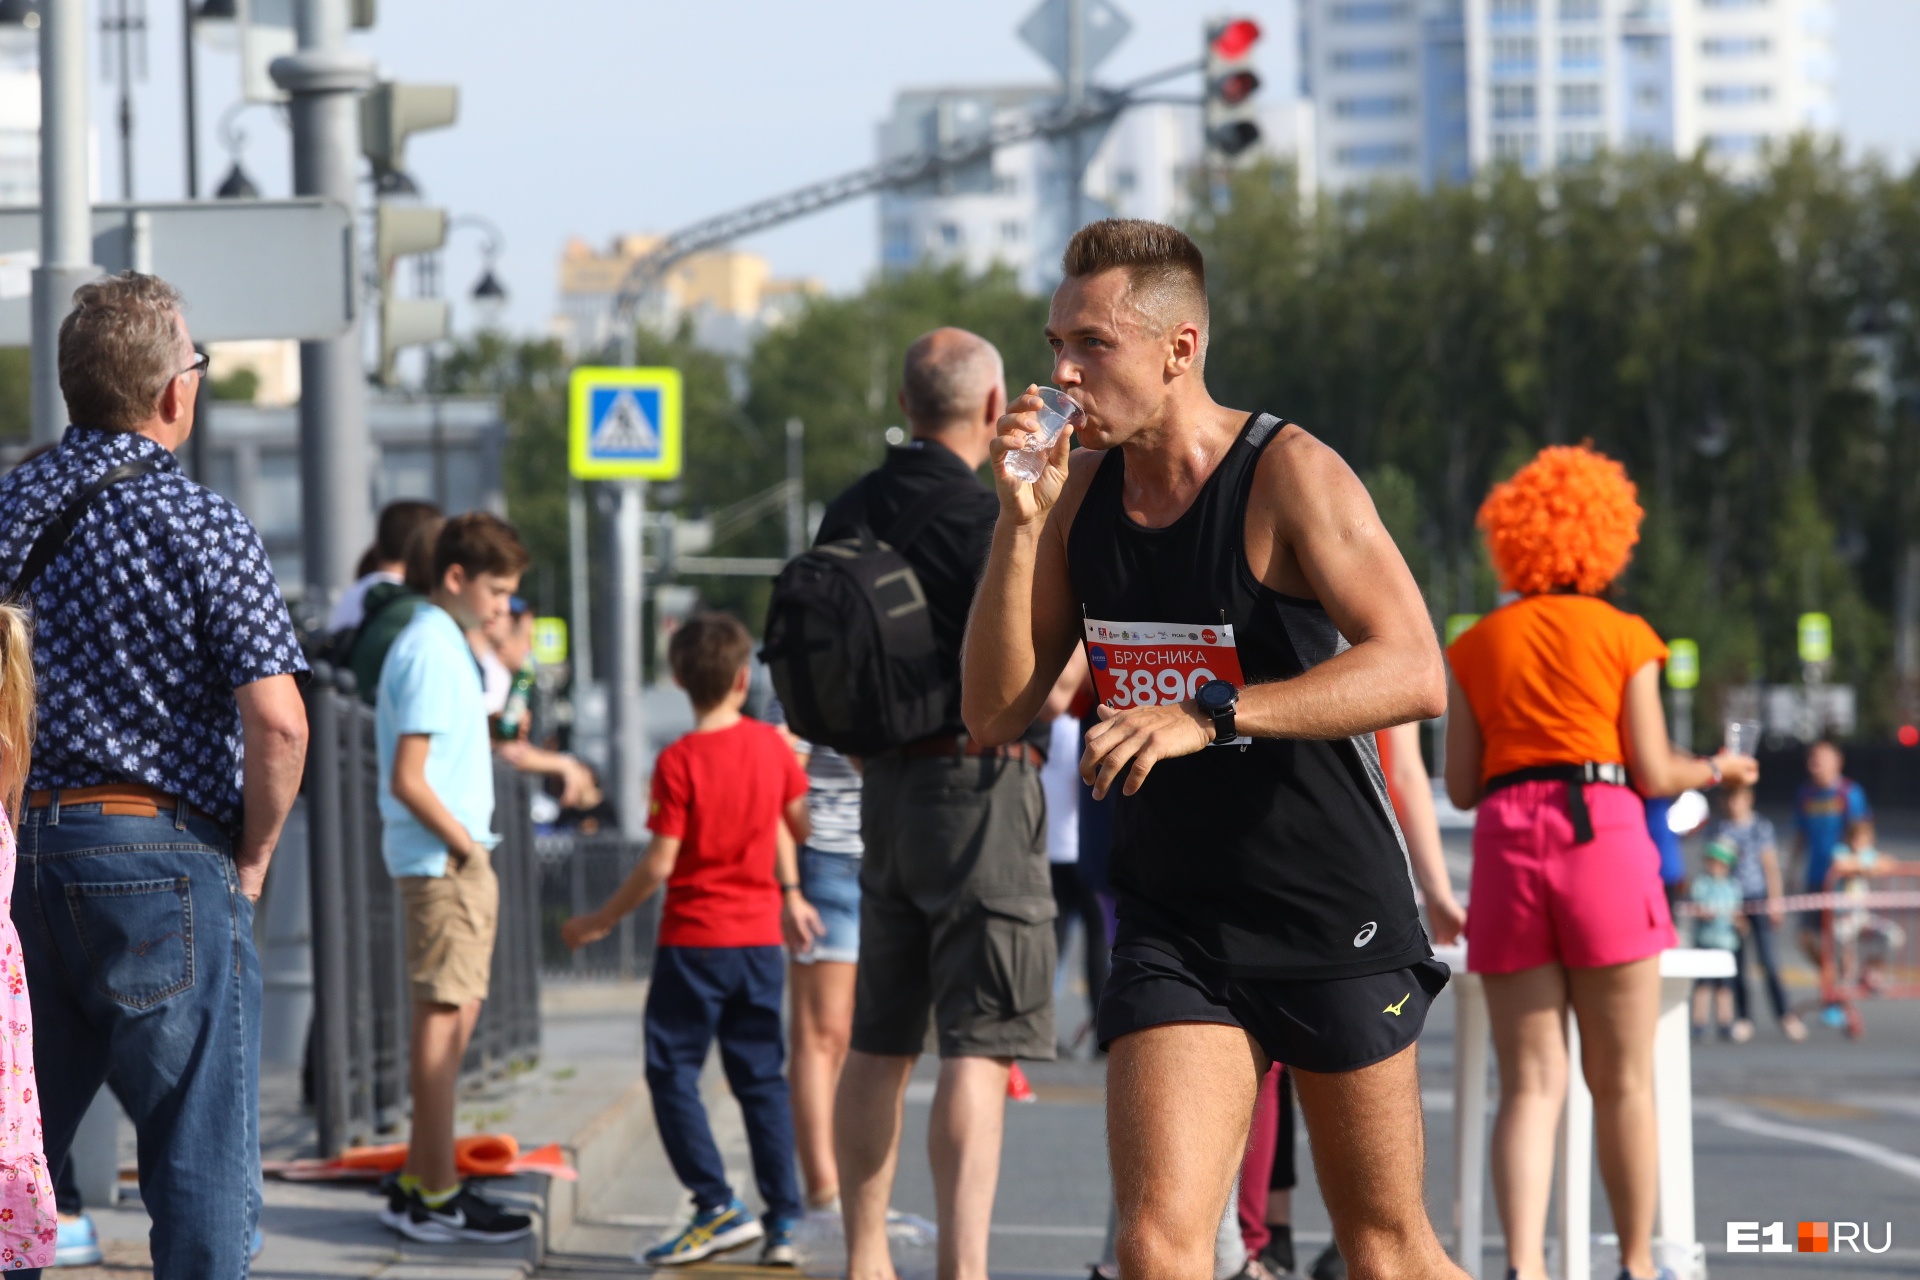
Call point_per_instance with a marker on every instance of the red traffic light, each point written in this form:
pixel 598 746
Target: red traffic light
pixel 1235 38
pixel 1909 736
pixel 1236 88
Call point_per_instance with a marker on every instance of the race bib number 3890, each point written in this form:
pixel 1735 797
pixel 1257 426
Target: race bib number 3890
pixel 1143 664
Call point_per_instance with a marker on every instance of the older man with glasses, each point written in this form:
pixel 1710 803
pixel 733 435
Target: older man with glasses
pixel 170 747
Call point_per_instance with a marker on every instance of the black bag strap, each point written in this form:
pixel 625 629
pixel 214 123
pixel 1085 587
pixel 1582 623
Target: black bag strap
pixel 54 537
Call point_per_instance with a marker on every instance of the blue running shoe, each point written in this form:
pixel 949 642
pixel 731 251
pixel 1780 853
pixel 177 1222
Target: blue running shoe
pixel 712 1231
pixel 77 1245
pixel 778 1251
pixel 1834 1016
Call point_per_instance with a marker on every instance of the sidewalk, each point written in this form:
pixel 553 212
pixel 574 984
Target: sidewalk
pixel 586 1094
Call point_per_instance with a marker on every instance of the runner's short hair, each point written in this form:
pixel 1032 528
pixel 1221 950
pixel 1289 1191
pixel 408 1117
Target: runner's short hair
pixel 479 542
pixel 706 654
pixel 119 348
pixel 1165 272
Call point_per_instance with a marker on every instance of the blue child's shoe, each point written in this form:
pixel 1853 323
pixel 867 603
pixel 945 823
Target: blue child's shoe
pixel 778 1251
pixel 711 1231
pixel 77 1245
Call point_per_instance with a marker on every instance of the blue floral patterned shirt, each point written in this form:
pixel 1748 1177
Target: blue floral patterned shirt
pixel 161 604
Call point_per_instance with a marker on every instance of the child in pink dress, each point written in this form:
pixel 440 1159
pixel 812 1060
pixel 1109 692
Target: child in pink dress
pixel 28 1225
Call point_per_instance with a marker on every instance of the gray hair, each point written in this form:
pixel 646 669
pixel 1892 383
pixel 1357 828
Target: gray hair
pixel 119 348
pixel 947 376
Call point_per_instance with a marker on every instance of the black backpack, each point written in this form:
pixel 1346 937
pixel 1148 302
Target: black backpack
pixel 850 641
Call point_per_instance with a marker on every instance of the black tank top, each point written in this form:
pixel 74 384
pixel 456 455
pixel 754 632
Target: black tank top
pixel 1281 859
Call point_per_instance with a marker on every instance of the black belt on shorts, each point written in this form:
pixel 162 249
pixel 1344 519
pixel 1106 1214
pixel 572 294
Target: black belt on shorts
pixel 959 745
pixel 1576 776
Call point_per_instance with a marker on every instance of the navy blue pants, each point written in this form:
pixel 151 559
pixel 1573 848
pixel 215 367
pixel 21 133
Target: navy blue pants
pixel 734 993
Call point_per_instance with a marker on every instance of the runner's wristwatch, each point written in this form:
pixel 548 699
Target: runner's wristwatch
pixel 1217 700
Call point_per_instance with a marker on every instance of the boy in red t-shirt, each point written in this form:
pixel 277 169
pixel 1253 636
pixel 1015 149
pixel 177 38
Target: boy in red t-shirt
pixel 720 798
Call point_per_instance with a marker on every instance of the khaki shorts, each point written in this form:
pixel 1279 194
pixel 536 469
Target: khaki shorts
pixel 450 925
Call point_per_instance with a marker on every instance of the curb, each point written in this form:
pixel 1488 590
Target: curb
pixel 599 1150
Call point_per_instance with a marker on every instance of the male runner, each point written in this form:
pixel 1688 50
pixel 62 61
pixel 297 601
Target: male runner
pixel 1249 622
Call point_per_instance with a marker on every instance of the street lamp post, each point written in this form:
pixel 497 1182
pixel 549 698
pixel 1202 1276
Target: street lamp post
pixel 66 221
pixel 326 79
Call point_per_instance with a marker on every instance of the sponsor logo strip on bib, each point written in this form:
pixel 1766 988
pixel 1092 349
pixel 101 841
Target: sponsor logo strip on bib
pixel 1145 664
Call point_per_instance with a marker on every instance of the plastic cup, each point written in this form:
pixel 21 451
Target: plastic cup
pixel 1057 413
pixel 1743 737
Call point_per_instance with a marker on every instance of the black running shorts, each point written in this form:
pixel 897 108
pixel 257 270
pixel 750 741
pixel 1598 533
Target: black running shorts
pixel 1324 1025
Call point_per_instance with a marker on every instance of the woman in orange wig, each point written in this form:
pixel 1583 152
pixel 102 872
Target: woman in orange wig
pixel 1555 731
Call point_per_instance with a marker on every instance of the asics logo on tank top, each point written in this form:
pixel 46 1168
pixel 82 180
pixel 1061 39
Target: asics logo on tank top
pixel 1366 933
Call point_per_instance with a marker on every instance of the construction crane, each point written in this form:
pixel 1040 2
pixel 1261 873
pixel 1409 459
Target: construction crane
pixel 1099 107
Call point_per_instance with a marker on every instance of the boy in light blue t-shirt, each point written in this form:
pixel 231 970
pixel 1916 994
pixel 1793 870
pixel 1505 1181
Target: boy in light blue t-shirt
pixel 436 809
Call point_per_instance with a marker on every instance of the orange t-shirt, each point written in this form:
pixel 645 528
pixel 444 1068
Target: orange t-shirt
pixel 1546 676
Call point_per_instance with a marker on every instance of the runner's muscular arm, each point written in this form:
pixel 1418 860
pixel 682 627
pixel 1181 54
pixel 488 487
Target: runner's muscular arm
pixel 1022 627
pixel 1325 542
pixel 1328 539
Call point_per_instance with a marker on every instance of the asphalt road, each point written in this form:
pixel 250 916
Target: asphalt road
pixel 1821 1132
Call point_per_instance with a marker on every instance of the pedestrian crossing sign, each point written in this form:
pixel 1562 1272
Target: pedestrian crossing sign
pixel 624 424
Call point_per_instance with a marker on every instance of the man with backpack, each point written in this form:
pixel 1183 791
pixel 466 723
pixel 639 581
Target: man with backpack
pixel 957 900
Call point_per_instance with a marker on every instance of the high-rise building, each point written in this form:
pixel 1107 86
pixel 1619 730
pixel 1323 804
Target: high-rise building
pixel 1429 90
pixel 1015 208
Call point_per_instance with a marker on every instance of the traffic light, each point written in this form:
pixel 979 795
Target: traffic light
pixel 1230 118
pixel 400 230
pixel 392 113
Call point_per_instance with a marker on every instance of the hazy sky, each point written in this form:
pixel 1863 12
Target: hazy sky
pixel 590 117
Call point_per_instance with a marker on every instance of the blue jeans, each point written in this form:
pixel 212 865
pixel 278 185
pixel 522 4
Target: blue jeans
pixel 695 994
pixel 140 964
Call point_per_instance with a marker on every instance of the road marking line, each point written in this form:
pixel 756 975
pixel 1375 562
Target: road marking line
pixel 1872 1152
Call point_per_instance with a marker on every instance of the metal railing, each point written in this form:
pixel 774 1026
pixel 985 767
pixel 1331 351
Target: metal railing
pixel 362 1005
pixel 577 873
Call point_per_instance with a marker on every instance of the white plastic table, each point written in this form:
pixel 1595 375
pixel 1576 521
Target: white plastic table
pixel 1676 1242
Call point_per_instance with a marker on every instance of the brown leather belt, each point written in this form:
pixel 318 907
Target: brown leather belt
pixel 962 745
pixel 116 799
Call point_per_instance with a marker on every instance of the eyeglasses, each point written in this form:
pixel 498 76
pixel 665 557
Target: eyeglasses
pixel 199 366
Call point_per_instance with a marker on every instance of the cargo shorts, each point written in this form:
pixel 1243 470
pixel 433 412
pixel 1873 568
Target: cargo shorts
pixel 450 921
pixel 956 909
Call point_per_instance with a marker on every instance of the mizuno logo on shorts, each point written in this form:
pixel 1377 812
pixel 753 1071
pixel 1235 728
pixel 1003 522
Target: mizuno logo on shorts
pixel 1395 1009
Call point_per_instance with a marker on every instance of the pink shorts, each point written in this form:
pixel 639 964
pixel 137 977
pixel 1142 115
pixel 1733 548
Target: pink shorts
pixel 1538 898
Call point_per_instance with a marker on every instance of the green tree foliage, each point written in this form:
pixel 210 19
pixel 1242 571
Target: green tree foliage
pixel 241 385
pixel 1716 335
pixel 836 367
pixel 16 393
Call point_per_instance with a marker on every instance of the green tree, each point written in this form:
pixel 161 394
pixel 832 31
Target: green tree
pixel 1745 346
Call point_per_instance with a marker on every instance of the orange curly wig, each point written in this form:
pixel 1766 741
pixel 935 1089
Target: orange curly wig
pixel 1569 518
